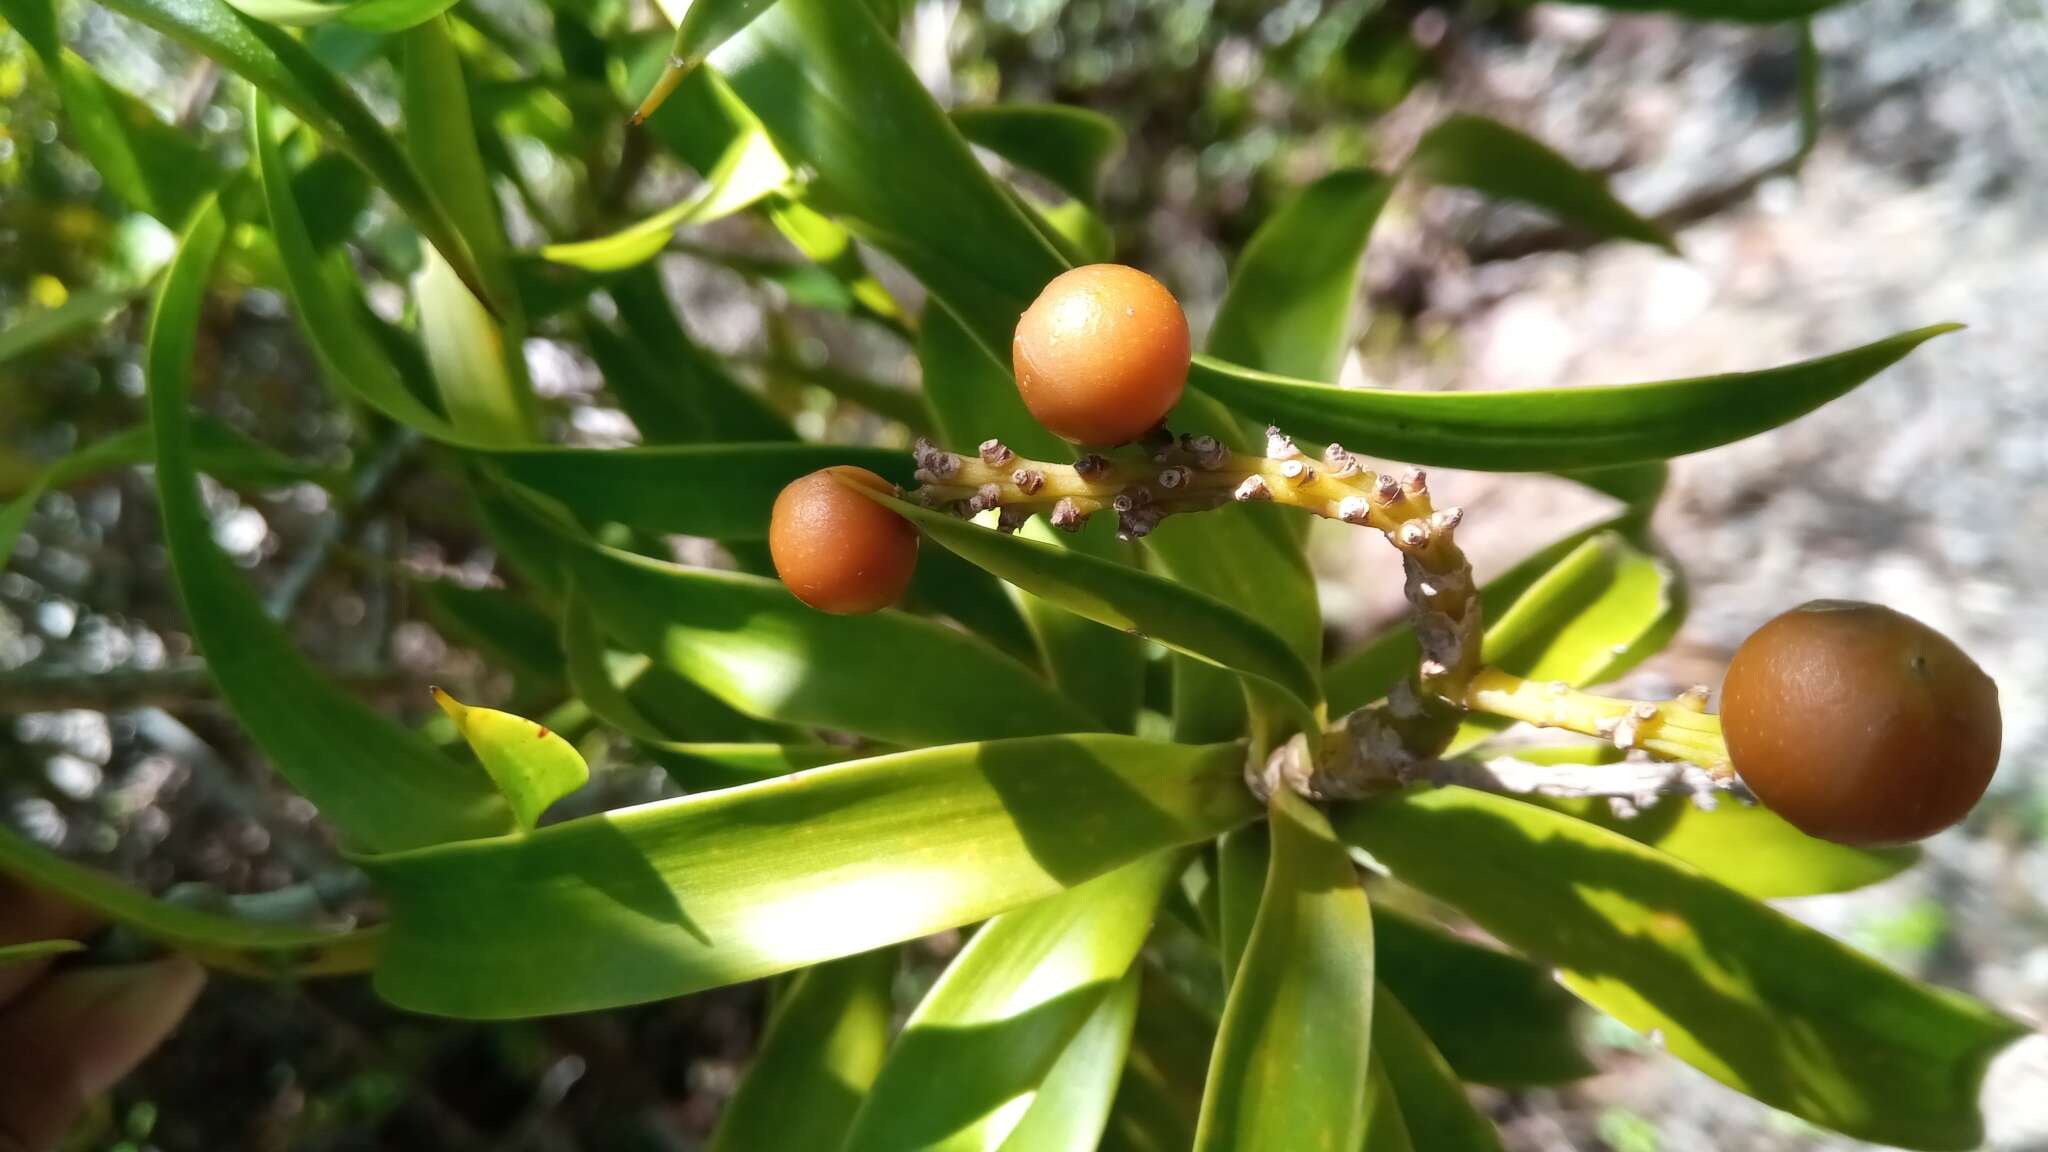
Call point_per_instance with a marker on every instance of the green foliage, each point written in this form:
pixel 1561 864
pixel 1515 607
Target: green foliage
pixel 995 751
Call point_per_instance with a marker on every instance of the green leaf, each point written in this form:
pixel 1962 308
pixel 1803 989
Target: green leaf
pixel 747 641
pixel 11 954
pixel 1386 1128
pixel 1007 1008
pixel 723 491
pixel 1747 847
pixel 1159 1101
pixel 1292 1055
pixel 1490 157
pixel 749 170
pixel 532 765
pixel 821 1052
pixel 281 67
pixel 1362 676
pixel 973 398
pixel 1753 998
pixel 1072 1106
pixel 1748 11
pixel 835 94
pixel 673 897
pixel 1124 598
pixel 1585 620
pixel 1069 146
pixel 1549 428
pixel 80 312
pixel 382 785
pixel 708 23
pixel 1497 1018
pixel 154 167
pixel 1244 857
pixel 251 947
pixel 368 15
pixel 478 359
pixel 334 325
pixel 879 397
pixel 1288 310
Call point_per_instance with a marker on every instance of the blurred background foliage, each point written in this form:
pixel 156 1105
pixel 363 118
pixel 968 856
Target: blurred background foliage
pixel 1922 188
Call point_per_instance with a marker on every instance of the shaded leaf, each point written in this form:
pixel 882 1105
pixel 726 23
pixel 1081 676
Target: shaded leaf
pixel 1750 11
pixel 11 954
pixel 1292 1055
pixel 747 641
pixel 333 323
pixel 80 312
pixel 1005 1011
pixel 250 947
pixel 821 1052
pixel 287 71
pixel 827 81
pixel 668 898
pixel 749 170
pixel 383 786
pixel 1758 1001
pixel 1069 146
pixel 1745 846
pixel 1124 598
pixel 478 360
pixel 1490 157
pixel 723 491
pixel 1548 428
pixel 1288 310
pixel 1072 1106
pixel 1498 1019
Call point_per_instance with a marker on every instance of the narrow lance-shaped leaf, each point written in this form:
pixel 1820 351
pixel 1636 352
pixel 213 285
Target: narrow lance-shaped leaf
pixel 250 947
pixel 1292 1056
pixel 268 58
pixel 1071 1108
pixel 822 1050
pixel 828 82
pixel 348 353
pixel 1124 598
pixel 1490 157
pixel 723 491
pixel 477 357
pixel 383 786
pixel 1431 1100
pixel 531 764
pixel 747 641
pixel 368 15
pixel 998 1021
pixel 11 954
pixel 749 170
pixel 973 399
pixel 1548 428
pixel 1497 1018
pixel 1069 146
pixel 668 898
pixel 1753 998
pixel 80 312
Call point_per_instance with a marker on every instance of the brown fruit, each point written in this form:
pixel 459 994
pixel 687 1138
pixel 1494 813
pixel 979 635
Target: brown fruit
pixel 837 550
pixel 1102 355
pixel 1859 724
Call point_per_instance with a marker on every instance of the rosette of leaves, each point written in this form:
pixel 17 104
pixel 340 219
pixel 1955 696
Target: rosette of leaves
pixel 1049 741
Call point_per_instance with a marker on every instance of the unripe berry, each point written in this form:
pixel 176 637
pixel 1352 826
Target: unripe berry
pixel 1102 355
pixel 1859 724
pixel 837 550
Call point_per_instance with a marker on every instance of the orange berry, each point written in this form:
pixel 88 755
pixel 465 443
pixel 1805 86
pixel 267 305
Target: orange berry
pixel 1102 355
pixel 1859 724
pixel 837 550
